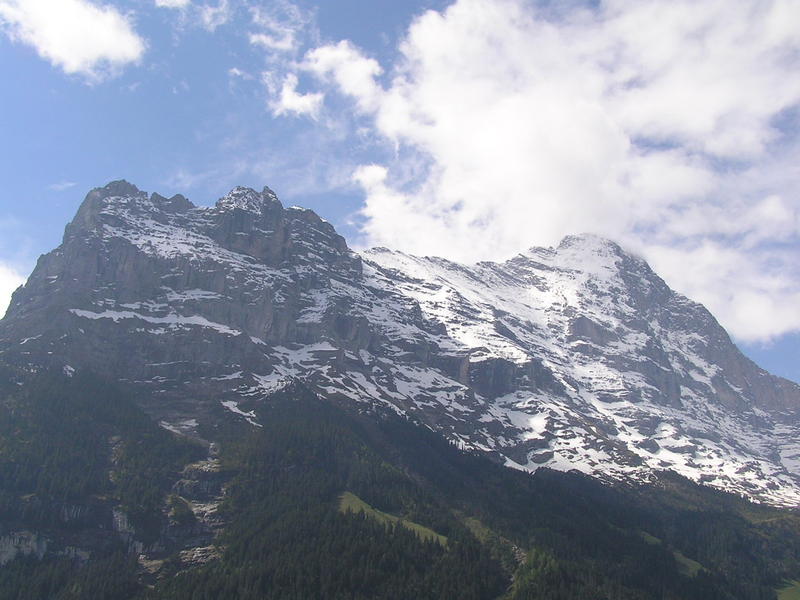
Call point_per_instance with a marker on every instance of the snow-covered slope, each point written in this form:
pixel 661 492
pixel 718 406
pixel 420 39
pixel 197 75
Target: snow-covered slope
pixel 575 357
pixel 639 377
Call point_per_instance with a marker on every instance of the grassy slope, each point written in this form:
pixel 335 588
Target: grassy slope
pixel 791 591
pixel 686 565
pixel 349 502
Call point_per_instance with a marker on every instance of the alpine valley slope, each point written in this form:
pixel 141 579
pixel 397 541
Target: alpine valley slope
pixel 575 357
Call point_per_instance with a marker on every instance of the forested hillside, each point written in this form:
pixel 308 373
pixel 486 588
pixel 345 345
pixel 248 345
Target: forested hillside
pixel 75 451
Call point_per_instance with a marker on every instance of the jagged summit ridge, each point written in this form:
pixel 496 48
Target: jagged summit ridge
pixel 573 357
pixel 121 193
pixel 248 199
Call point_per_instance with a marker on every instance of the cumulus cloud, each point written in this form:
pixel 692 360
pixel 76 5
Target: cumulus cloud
pixel 10 280
pixel 671 127
pixel 757 298
pixel 77 36
pixel 351 71
pixel 291 101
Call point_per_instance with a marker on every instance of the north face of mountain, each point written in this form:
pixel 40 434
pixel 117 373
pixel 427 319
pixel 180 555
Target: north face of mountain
pixel 575 357
pixel 589 361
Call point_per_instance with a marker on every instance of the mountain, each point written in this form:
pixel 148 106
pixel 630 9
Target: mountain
pixel 225 401
pixel 575 357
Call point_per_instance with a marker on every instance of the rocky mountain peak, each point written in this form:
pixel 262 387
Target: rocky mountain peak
pixel 248 199
pixel 119 188
pixel 577 357
pixel 590 241
pixel 97 200
pixel 587 252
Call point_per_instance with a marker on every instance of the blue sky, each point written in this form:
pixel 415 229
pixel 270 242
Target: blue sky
pixel 467 128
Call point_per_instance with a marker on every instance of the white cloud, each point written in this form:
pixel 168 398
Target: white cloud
pixel 214 15
pixel 278 25
pixel 281 29
pixel 77 36
pixel 172 3
pixel 61 186
pixel 239 73
pixel 353 73
pixel 273 43
pixel 658 124
pixel 291 101
pixel 10 280
pixel 757 297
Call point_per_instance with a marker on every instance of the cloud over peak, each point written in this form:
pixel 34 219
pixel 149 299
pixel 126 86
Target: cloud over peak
pixel 661 125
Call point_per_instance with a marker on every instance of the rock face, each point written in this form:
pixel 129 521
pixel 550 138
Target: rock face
pixel 25 543
pixel 575 357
